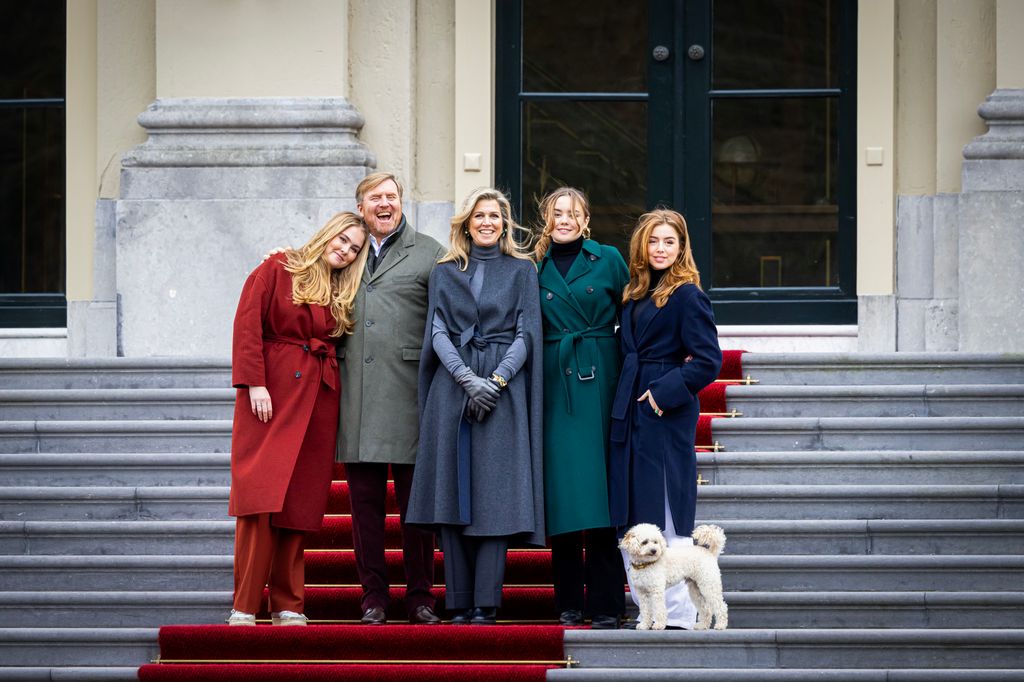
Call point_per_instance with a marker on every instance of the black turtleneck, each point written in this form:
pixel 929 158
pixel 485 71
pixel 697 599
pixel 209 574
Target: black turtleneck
pixel 656 277
pixel 564 255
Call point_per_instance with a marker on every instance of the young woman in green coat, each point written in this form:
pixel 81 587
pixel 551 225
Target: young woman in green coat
pixel 581 284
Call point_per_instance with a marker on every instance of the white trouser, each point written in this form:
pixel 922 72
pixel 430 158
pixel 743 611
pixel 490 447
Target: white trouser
pixel 681 610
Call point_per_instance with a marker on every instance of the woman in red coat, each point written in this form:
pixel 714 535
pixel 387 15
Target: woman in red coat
pixel 293 308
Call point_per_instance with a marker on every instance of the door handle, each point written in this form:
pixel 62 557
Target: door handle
pixel 660 53
pixel 696 52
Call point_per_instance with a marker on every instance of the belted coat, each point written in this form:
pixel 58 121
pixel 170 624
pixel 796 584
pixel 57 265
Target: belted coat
pixel 283 466
pixel 581 370
pixel 494 484
pixel 652 454
pixel 380 360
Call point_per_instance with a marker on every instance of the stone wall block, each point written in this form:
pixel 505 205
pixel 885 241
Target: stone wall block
pixel 941 326
pixel 914 247
pixel 876 328
pixel 945 238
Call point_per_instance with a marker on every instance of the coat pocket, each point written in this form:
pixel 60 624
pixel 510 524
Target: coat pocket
pixel 411 353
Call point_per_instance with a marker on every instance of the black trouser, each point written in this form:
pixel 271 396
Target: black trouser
pixel 474 569
pixel 601 572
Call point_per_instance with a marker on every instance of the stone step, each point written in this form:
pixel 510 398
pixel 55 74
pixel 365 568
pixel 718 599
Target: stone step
pixel 137 537
pixel 869 433
pixel 116 469
pixel 784 675
pixel 120 609
pixel 858 369
pixel 70 674
pixel 77 647
pixel 944 400
pixel 721 502
pixel 759 573
pixel 943 537
pixel 69 373
pixel 110 503
pixel 862 467
pixel 802 648
pixel 140 435
pixel 116 403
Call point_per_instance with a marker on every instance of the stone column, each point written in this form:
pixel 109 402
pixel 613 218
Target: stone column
pixel 991 242
pixel 217 184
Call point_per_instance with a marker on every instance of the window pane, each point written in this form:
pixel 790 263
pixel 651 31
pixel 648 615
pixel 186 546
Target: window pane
pixel 584 46
pixel 32 51
pixel 32 200
pixel 774 210
pixel 598 147
pixel 776 44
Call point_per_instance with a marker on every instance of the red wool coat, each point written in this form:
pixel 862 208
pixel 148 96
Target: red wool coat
pixel 283 466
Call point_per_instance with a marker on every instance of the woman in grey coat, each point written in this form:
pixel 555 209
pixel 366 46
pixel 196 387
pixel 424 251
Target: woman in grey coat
pixel 479 468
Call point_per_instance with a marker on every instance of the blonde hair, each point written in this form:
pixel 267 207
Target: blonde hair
pixel 459 239
pixel 315 282
pixel 374 179
pixel 683 271
pixel 546 209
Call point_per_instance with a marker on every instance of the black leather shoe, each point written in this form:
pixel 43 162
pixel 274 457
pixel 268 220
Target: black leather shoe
pixel 464 617
pixel 484 616
pixel 571 617
pixel 424 615
pixel 604 622
pixel 374 616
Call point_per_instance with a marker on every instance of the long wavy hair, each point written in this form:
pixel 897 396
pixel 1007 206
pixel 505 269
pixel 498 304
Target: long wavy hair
pixel 683 271
pixel 315 282
pixel 546 209
pixel 459 240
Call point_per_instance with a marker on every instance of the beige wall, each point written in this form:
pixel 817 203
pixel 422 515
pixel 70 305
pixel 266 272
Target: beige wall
pixel 965 73
pixel 876 102
pixel 1010 44
pixel 474 95
pixel 435 100
pixel 81 147
pixel 915 96
pixel 251 48
pixel 126 83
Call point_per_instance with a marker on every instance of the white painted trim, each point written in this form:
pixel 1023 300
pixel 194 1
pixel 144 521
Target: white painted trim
pixel 474 94
pixel 34 333
pixel 788 330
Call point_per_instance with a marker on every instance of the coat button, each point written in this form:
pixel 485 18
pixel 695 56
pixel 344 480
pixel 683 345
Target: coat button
pixel 590 290
pixel 369 359
pixel 568 371
pixel 369 323
pixel 593 257
pixel 305 347
pixel 565 331
pixel 369 287
pixel 550 295
pixel 298 375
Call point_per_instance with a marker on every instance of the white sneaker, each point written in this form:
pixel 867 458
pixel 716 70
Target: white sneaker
pixel 241 618
pixel 287 618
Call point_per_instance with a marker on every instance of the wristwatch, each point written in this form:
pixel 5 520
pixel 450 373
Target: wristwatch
pixel 498 379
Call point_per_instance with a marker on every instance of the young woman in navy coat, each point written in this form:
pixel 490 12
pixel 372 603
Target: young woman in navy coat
pixel 670 352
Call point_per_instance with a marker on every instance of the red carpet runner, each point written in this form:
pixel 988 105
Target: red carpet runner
pixel 335 647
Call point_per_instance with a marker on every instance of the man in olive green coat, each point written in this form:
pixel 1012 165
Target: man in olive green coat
pixel 379 427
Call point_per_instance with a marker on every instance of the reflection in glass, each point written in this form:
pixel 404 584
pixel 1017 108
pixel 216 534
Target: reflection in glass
pixel 32 52
pixel 32 200
pixel 584 46
pixel 598 147
pixel 776 44
pixel 774 211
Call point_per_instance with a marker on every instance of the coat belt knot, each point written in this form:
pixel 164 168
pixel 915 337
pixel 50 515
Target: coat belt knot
pixel 326 352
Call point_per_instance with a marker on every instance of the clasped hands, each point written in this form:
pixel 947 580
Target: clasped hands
pixel 482 393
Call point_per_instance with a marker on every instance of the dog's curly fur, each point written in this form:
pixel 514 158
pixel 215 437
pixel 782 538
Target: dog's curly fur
pixel 653 566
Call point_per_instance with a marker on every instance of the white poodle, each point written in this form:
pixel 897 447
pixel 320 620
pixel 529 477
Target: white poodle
pixel 653 566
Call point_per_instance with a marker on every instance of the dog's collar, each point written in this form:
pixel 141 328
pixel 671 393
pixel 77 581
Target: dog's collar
pixel 641 567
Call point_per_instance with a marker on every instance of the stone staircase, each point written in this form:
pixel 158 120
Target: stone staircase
pixel 874 507
pixel 875 513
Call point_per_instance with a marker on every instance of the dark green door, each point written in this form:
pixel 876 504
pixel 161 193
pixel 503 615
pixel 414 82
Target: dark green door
pixel 738 113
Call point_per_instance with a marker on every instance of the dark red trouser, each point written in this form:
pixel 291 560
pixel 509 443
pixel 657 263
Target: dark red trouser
pixel 268 556
pixel 367 487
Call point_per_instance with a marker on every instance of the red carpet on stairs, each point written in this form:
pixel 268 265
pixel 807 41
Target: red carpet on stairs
pixel 327 650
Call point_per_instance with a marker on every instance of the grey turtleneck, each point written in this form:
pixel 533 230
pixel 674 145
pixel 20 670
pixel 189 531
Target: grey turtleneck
pixel 514 357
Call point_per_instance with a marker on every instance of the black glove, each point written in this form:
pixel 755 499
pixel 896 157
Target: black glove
pixel 475 412
pixel 479 390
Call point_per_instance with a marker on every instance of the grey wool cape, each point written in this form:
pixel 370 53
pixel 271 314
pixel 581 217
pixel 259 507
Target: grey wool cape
pixel 498 490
